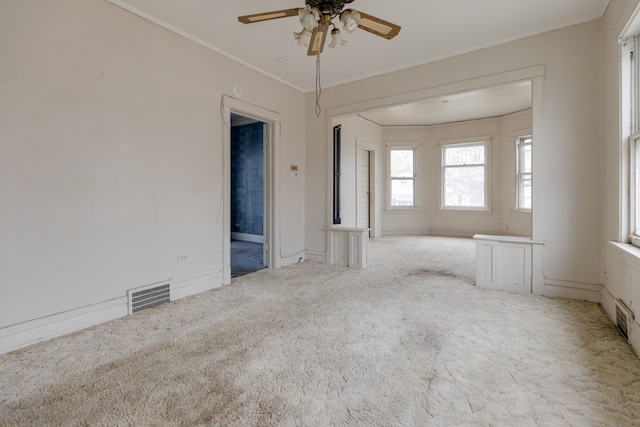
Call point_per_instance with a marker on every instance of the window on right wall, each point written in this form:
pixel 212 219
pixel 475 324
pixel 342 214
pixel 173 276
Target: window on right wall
pixel 464 175
pixel 630 97
pixel 524 173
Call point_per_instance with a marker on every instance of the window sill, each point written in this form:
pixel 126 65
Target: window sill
pixel 450 211
pixel 628 251
pixel 407 210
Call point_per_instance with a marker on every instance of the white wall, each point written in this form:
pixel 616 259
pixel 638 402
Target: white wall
pixel 356 131
pixel 111 156
pixel 568 179
pixel 428 218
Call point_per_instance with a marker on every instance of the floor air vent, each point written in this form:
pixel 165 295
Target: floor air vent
pixel 623 317
pixel 148 296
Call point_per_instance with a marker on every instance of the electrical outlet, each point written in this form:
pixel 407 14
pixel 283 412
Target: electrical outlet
pixel 183 258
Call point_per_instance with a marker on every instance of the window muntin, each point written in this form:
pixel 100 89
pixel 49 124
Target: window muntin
pixel 402 176
pixel 524 173
pixel 464 176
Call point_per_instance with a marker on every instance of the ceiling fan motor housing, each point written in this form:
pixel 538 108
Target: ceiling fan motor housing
pixel 328 7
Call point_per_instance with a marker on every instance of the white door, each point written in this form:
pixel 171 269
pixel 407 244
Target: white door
pixel 363 189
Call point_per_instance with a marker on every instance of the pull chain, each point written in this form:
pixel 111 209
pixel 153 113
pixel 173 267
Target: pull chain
pixel 318 87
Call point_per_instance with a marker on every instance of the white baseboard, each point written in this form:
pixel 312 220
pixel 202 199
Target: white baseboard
pixel 405 232
pixel 196 285
pixel 289 259
pixel 572 290
pixel 634 336
pixel 444 232
pixel 315 256
pixel 247 237
pixel 33 331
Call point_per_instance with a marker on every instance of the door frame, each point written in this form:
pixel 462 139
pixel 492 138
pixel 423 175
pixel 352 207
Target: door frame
pixel 271 164
pixel 374 229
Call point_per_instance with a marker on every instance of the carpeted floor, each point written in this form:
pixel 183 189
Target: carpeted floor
pixel 408 342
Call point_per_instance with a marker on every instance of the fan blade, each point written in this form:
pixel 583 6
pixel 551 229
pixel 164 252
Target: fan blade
pixel 265 16
pixel 378 26
pixel 318 36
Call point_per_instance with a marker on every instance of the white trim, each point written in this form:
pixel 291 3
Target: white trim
pixel 510 239
pixel 632 25
pixel 402 210
pixel 541 186
pixel 629 253
pixel 521 133
pixel 572 290
pixel 464 211
pixel 408 232
pixel 466 140
pixel 271 177
pixel 316 256
pixel 416 148
pixel 446 232
pixel 196 285
pixel 487 142
pixel 403 144
pixel 244 237
pixel 519 144
pixel 634 336
pixel 373 189
pixel 446 89
pixel 45 328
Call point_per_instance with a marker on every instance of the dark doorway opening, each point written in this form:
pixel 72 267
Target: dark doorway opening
pixel 247 194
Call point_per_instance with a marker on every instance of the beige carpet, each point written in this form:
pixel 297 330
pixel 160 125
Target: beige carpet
pixel 408 342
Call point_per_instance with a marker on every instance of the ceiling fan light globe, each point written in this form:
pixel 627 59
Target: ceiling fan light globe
pixel 350 18
pixel 309 17
pixel 303 37
pixel 336 40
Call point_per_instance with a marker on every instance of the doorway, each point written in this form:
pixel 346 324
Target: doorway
pixel 248 165
pixel 270 202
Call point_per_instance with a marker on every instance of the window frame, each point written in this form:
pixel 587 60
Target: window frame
pixel 630 126
pixel 520 138
pixel 634 188
pixel 404 146
pixel 473 141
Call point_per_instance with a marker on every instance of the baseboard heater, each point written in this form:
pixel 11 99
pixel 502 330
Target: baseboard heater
pixel 148 296
pixel 624 316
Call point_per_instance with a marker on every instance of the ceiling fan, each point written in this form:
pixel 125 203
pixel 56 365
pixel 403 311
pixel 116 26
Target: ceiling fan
pixel 316 18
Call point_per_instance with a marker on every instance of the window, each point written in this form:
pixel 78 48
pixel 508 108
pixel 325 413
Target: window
pixel 631 130
pixel 402 176
pixel 524 173
pixel 464 176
